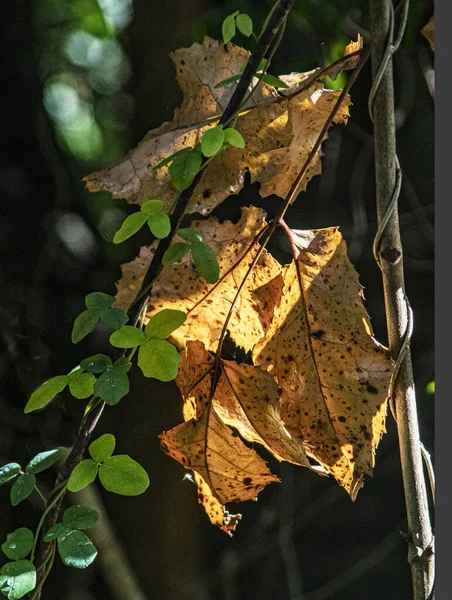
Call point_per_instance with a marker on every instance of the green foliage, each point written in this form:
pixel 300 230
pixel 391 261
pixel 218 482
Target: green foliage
pixel 44 460
pixel 162 324
pixel 152 207
pixel 184 167
pixel 76 549
pixel 160 225
pixel 175 253
pixel 244 24
pixel 79 517
pixel 83 474
pixel 189 235
pixel 99 306
pixel 159 359
pixel 158 222
pixel 84 324
pixel 54 532
pixel 8 472
pixel 206 261
pixel 212 141
pixel 236 20
pixel 103 447
pixel 228 29
pixel 81 384
pixel 127 337
pixel 130 226
pixel 112 385
pixel 18 543
pixel 233 138
pixel 46 392
pixel 22 488
pixel 96 364
pixel 276 82
pixel 123 475
pixel 17 579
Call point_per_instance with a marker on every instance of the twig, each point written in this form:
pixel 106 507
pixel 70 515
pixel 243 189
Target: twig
pixel 389 251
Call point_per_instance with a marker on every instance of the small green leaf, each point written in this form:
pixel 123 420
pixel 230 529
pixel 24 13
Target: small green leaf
pixel 233 137
pixel 206 261
pixel 212 141
pixel 85 323
pixel 228 29
pixel 44 460
pixel 8 472
pixel 263 64
pixel 112 385
pixel 129 227
pixel 103 447
pixel 96 364
pixel 76 549
pixel 81 385
pixel 22 488
pixel 175 253
pixel 80 517
pixel 151 207
pixel 55 531
pixel 123 475
pixel 113 317
pixel 46 392
pixel 18 543
pixel 97 301
pixel 189 235
pixel 83 474
pixel 276 82
pixel 162 324
pixel 227 81
pixel 244 24
pixel 429 388
pixel 123 364
pixel 158 359
pixel 171 157
pixel 127 337
pixel 184 168
pixel 160 225
pixel 17 579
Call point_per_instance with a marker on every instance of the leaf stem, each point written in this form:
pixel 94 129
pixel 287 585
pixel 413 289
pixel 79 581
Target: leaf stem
pixel 49 507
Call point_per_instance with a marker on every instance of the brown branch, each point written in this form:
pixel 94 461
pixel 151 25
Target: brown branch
pixel 420 553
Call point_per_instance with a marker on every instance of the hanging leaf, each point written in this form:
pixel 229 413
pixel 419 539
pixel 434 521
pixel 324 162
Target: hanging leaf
pixel 83 474
pixel 46 392
pixel 17 579
pixel 44 460
pixel 130 226
pixel 84 324
pixel 18 543
pixel 22 488
pixel 123 475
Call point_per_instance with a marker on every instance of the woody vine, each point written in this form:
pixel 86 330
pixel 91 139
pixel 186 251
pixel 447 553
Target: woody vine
pixel 316 387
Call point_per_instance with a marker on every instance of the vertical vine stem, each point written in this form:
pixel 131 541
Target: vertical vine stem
pixel 389 258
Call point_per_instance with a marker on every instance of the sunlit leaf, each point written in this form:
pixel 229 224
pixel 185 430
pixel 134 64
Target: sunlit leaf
pixel 112 386
pixel 130 226
pixel 17 579
pixel 158 359
pixel 160 225
pixel 162 324
pixel 44 460
pixel 206 261
pixel 175 253
pixel 76 549
pixel 80 517
pixel 127 337
pixel 83 474
pixel 46 392
pixel 18 543
pixel 103 447
pixel 123 475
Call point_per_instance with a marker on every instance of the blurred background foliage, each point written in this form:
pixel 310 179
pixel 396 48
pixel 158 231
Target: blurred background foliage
pixel 83 81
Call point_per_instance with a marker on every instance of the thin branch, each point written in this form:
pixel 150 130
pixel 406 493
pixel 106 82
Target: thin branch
pixel 389 252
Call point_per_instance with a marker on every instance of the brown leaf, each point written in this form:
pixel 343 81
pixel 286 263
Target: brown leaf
pixel 133 273
pixel 279 131
pixel 428 31
pixel 193 379
pixel 333 373
pixel 351 63
pixel 179 286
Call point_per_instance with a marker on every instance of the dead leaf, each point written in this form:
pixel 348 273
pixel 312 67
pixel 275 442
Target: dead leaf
pixel 352 62
pixel 279 132
pixel 179 285
pixel 333 373
pixel 428 31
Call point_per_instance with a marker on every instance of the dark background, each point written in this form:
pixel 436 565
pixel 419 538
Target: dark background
pixel 82 82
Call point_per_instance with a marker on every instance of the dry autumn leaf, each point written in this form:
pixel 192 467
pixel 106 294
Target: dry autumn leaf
pixel 279 131
pixel 180 286
pixel 333 373
pixel 428 31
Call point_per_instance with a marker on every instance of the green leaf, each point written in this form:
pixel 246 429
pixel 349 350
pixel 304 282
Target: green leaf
pixel 129 227
pixel 227 81
pixel 123 364
pixel 233 137
pixel 46 392
pixel 114 317
pixel 17 579
pixel 18 543
pixel 22 488
pixel 276 82
pixel 206 261
pixel 212 141
pixel 162 324
pixel 189 235
pixel 127 337
pixel 228 29
pixel 81 385
pixel 85 323
pixel 151 207
pixel 76 549
pixel 158 359
pixel 123 475
pixel 175 253
pixel 83 474
pixel 8 472
pixel 80 517
pixel 263 64
pixel 184 168
pixel 171 157
pixel 103 447
pixel 97 301
pixel 244 24
pixel 160 225
pixel 55 531
pixel 96 364
pixel 112 385
pixel 44 460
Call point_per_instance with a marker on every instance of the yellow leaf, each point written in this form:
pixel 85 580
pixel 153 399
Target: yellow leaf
pixel 333 373
pixel 279 131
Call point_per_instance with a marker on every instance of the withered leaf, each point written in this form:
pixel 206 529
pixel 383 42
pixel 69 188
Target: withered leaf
pixel 333 373
pixel 428 31
pixel 279 131
pixel 180 286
